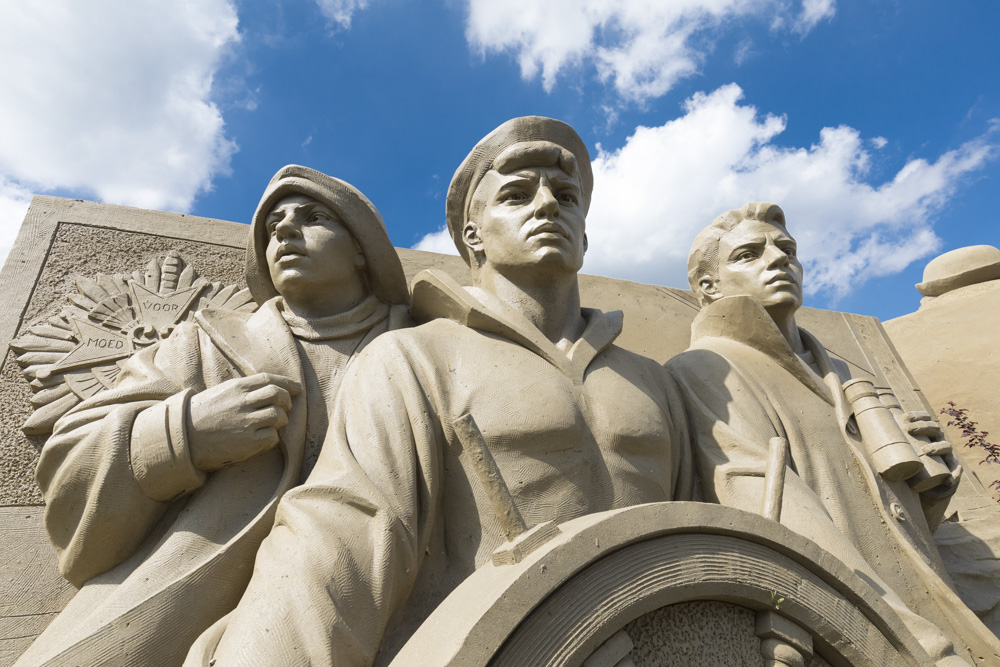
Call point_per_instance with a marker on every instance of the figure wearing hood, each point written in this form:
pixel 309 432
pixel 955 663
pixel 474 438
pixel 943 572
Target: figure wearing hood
pixel 752 376
pixel 159 491
pixel 395 516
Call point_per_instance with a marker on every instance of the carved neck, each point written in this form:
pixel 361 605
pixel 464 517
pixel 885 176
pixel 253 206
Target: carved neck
pixel 551 304
pixel 313 302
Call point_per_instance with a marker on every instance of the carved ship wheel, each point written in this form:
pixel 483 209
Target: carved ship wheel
pixel 567 601
pixel 77 353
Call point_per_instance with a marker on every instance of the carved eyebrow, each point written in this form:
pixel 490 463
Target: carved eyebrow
pixel 561 178
pixel 524 175
pixel 276 216
pixel 307 207
pixel 753 244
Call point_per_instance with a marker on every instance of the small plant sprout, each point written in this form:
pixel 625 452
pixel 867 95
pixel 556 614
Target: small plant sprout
pixel 973 436
pixel 775 600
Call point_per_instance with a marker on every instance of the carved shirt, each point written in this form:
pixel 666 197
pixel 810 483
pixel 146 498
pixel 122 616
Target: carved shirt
pixel 325 347
pixel 393 516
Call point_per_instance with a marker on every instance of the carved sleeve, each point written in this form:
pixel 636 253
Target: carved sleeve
pixel 732 422
pixel 97 512
pixel 346 546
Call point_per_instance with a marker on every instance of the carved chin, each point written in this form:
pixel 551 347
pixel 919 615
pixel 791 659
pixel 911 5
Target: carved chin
pixel 784 299
pixel 287 277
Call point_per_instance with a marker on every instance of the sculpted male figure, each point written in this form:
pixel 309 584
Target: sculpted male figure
pixel 752 375
pixel 394 515
pixel 160 490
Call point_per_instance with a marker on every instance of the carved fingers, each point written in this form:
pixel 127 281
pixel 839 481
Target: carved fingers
pixel 949 486
pixel 921 424
pixel 238 418
pixel 925 433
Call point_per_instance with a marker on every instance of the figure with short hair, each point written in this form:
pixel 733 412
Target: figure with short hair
pixel 397 513
pixel 159 491
pixel 765 402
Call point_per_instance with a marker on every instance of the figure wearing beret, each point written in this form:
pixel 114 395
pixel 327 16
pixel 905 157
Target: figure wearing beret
pixel 395 515
pixel 159 491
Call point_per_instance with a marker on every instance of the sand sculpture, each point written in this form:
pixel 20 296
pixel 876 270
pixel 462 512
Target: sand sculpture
pixel 160 490
pixel 774 417
pixel 505 483
pixel 510 406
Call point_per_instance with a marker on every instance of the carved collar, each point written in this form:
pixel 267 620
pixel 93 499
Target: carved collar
pixel 437 295
pixel 361 318
pixel 743 320
pixel 264 341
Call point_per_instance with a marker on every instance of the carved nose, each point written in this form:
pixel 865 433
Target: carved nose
pixel 778 256
pixel 546 204
pixel 288 227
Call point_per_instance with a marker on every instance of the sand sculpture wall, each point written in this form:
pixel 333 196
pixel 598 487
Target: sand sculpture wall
pixel 63 240
pixel 950 342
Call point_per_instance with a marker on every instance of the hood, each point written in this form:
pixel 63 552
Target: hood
pixel 358 215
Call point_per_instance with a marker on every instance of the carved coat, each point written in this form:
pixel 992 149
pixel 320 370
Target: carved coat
pixel 393 516
pixel 743 385
pixel 161 549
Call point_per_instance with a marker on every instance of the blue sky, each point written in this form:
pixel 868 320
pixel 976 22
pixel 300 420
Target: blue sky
pixel 873 124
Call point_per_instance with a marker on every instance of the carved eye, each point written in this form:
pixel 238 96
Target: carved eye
pixel 746 255
pixel 567 198
pixel 513 195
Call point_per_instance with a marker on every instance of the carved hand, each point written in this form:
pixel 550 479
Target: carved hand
pixel 939 462
pixel 926 430
pixel 239 418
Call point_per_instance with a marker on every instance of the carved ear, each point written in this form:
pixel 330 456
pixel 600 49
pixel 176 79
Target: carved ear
pixel 708 289
pixel 471 237
pixel 586 243
pixel 360 261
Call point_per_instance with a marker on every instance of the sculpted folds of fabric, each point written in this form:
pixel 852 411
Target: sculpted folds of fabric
pixel 183 549
pixel 743 385
pixel 404 518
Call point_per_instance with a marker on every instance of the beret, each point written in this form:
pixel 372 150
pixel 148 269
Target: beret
pixel 480 160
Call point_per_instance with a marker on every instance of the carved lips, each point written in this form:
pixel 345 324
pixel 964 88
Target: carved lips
pixel 550 227
pixel 783 278
pixel 287 249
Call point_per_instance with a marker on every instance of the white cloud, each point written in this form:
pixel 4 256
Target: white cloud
pixel 643 48
pixel 341 11
pixel 743 52
pixel 111 99
pixel 813 11
pixel 666 183
pixel 14 200
pixel 439 241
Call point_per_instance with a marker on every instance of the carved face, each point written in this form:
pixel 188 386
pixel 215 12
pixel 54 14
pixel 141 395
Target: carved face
pixel 531 217
pixel 309 247
pixel 758 259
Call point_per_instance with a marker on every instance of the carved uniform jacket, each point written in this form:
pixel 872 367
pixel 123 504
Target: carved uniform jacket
pixel 393 516
pixel 160 549
pixel 743 385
